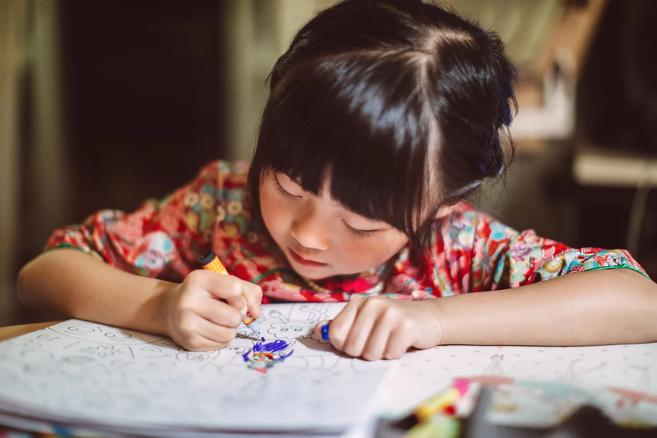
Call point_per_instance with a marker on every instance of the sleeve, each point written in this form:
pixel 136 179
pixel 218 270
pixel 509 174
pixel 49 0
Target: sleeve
pixel 477 253
pixel 162 238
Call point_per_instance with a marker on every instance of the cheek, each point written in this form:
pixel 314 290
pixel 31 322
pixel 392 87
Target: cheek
pixel 277 213
pixel 366 253
pixel 274 212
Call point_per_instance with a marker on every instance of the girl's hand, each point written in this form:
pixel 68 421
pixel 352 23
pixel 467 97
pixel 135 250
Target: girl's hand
pixel 204 310
pixel 382 328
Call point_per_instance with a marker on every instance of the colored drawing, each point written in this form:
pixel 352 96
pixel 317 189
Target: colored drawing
pixel 265 355
pixel 93 374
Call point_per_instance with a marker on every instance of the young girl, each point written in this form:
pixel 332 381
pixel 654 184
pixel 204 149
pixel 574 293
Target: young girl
pixel 382 117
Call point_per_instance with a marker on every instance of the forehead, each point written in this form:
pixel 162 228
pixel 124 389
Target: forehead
pixel 374 163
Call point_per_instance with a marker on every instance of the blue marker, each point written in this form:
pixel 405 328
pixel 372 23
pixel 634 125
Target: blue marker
pixel 325 331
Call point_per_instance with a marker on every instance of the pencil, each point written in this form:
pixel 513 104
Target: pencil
pixel 211 262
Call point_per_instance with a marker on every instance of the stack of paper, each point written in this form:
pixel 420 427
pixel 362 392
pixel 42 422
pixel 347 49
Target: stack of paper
pixel 95 377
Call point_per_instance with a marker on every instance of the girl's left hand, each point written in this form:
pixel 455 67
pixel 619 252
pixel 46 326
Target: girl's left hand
pixel 383 328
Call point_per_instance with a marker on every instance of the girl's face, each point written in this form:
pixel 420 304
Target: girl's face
pixel 319 236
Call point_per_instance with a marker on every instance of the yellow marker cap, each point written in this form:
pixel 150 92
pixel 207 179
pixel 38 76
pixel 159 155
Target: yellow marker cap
pixel 212 263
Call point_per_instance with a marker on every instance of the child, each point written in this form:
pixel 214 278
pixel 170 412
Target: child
pixel 382 117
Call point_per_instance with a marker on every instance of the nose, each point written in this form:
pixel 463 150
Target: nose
pixel 310 231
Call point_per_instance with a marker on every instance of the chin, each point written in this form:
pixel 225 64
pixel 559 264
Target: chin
pixel 312 274
pixel 319 274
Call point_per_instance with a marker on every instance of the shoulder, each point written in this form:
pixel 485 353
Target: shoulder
pixel 464 217
pixel 214 187
pixel 221 180
pixel 223 172
pixel 463 222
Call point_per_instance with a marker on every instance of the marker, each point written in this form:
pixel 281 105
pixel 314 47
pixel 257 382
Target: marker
pixel 325 331
pixel 212 263
pixel 438 426
pixel 437 404
pixel 442 400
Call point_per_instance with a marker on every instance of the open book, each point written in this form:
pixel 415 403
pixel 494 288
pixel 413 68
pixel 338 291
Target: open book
pixel 92 376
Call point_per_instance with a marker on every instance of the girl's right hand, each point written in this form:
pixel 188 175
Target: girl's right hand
pixel 203 312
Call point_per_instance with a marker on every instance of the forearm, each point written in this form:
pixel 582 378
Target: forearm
pixel 75 284
pixel 587 308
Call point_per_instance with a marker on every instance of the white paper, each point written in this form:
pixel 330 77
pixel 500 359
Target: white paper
pixel 90 374
pixel 535 386
pixel 129 382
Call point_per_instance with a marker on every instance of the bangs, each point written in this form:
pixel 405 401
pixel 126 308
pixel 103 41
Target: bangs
pixel 402 103
pixel 365 120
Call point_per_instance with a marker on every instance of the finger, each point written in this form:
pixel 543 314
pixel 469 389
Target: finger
pixel 249 300
pixel 229 289
pixel 378 339
pixel 399 341
pixel 224 287
pixel 341 324
pixel 215 332
pixel 368 313
pixel 239 302
pixel 220 313
pixel 253 297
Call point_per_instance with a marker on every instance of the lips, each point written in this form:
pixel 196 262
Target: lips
pixel 304 261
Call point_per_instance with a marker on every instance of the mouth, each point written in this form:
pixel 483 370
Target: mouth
pixel 303 261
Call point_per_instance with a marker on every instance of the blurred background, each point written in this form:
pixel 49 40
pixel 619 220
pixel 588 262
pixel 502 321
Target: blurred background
pixel 105 103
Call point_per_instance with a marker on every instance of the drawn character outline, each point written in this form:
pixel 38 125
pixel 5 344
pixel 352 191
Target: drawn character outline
pixel 265 355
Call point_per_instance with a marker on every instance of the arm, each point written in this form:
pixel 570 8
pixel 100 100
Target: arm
pixel 587 308
pixel 122 278
pixel 76 284
pixel 544 294
pixel 201 313
pixel 613 306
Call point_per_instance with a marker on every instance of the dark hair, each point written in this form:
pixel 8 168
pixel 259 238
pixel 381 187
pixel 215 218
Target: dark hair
pixel 405 104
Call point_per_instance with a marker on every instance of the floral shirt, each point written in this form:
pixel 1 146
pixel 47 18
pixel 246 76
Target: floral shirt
pixel 469 250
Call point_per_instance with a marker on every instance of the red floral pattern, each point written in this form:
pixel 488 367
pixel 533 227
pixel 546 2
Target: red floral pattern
pixel 470 251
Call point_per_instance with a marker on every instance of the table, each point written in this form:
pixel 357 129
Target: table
pixel 550 379
pixel 16 330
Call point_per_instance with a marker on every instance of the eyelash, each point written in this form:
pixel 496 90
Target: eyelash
pixel 282 191
pixel 359 232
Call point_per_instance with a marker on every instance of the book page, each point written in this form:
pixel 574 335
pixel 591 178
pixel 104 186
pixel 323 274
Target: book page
pixel 93 374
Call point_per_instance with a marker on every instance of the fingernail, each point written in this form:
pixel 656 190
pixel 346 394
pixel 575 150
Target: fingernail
pixel 325 331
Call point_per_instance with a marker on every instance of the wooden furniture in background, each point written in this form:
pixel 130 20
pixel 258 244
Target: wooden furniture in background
pixel 548 40
pixel 12 64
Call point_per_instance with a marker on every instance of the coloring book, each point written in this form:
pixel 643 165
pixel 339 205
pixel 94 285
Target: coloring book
pixel 89 374
pixel 95 377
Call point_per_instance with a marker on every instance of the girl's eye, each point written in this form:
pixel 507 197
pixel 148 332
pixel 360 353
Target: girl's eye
pixel 360 232
pixel 282 191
